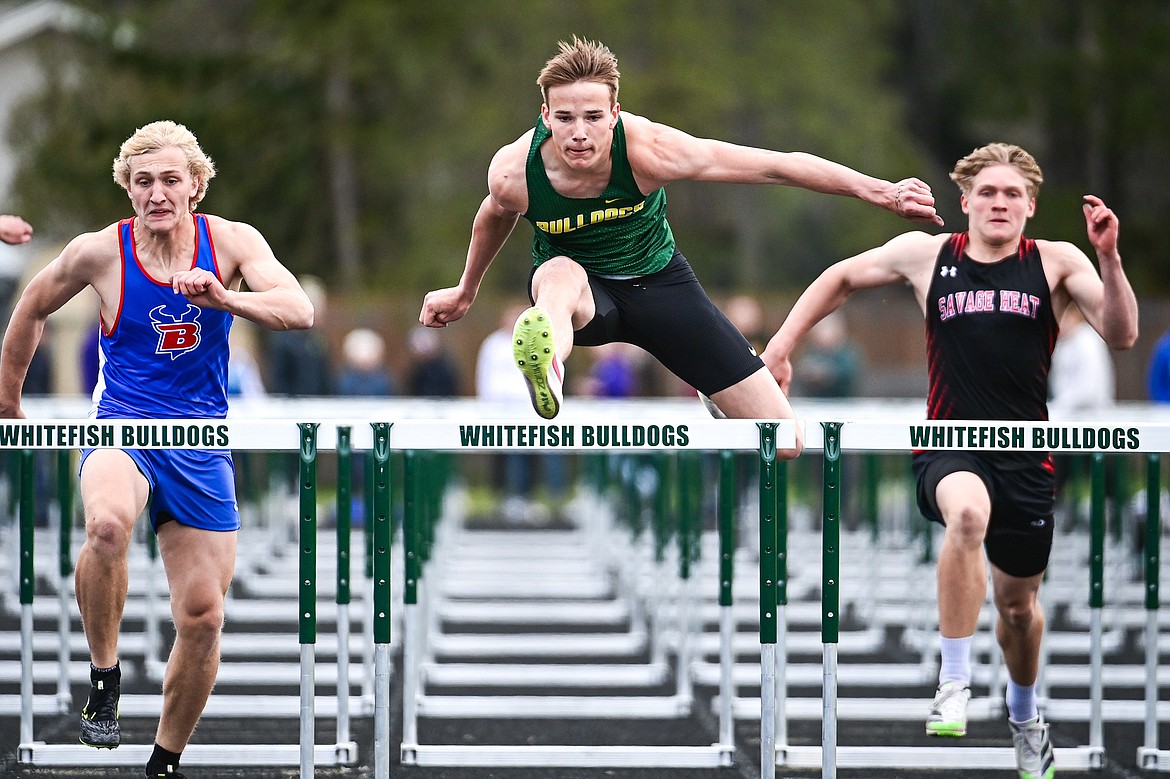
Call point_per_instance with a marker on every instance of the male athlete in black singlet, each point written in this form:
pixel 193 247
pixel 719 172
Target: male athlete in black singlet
pixel 992 299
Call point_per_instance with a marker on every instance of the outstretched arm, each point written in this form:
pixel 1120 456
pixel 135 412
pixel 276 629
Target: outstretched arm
pixel 905 258
pixel 660 154
pixel 56 284
pixel 494 221
pixel 490 230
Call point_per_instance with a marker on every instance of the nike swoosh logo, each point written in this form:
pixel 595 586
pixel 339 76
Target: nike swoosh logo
pixel 609 200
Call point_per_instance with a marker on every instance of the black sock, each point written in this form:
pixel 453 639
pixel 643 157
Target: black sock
pixel 95 672
pixel 162 762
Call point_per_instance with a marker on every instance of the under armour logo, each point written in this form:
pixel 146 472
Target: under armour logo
pixel 949 270
pixel 176 334
pixel 1039 523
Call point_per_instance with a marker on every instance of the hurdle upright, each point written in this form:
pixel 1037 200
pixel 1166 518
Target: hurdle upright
pixel 627 435
pixel 982 435
pixel 271 435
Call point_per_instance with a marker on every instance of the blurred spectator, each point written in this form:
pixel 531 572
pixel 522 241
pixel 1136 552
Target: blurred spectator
pixel 244 380
pixel 363 370
pixel 745 313
pixel 829 364
pixel 89 359
pixel 298 360
pixel 432 371
pixel 615 371
pixel 1158 380
pixel 39 380
pixel 1081 378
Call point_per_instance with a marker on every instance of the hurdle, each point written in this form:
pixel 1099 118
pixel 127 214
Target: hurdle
pixel 627 435
pixel 972 435
pixel 1149 756
pixel 271 435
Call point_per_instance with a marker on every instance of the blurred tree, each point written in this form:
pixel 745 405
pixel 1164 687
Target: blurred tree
pixel 356 135
pixel 1081 84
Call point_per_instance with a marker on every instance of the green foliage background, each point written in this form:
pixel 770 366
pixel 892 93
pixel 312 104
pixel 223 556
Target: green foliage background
pixel 356 134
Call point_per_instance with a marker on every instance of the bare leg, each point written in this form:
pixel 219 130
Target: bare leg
pixel 114 494
pixel 1019 626
pixel 561 287
pixel 962 567
pixel 758 397
pixel 199 565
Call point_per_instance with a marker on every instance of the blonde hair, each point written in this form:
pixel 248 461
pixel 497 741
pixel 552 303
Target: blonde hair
pixel 970 166
pixel 580 60
pixel 164 135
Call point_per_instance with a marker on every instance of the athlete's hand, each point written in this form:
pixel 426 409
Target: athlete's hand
pixel 913 200
pixel 780 366
pixel 14 230
pixel 443 306
pixel 1102 226
pixel 202 288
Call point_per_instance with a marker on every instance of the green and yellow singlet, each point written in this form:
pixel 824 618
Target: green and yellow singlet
pixel 621 233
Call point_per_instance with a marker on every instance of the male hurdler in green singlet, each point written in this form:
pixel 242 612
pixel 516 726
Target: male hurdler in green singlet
pixel 590 177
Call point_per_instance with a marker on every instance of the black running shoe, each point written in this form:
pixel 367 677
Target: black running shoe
pixel 167 775
pixel 99 717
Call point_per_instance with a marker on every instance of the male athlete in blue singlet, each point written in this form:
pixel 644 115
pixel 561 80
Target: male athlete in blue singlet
pixel 169 281
pixel 992 300
pixel 590 178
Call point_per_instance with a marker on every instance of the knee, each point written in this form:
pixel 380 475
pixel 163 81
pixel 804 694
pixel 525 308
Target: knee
pixel 1017 613
pixel 108 534
pixel 966 527
pixel 200 624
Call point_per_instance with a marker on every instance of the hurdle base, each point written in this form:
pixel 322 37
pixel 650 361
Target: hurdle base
pixel 42 754
pixel 564 756
pixel 1067 758
pixel 544 706
pixel 1149 759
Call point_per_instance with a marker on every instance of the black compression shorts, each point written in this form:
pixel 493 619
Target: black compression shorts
pixel 1019 533
pixel 670 316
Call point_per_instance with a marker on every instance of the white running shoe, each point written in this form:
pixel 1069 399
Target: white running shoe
pixel 1034 758
pixel 535 353
pixel 948 711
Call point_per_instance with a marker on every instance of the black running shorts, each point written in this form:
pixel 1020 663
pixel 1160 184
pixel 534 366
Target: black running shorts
pixel 1023 497
pixel 670 316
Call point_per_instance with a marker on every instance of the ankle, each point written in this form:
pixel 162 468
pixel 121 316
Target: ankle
pixel 162 762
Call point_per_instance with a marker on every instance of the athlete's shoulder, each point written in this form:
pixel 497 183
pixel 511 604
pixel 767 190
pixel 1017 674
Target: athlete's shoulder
pixel 227 231
pixel 97 247
pixel 507 181
pixel 917 244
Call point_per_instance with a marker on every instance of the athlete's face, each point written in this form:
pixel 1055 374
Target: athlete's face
pixel 998 205
pixel 581 118
pixel 161 188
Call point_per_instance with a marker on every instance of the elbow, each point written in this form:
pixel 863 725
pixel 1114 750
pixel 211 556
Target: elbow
pixel 1125 340
pixel 299 318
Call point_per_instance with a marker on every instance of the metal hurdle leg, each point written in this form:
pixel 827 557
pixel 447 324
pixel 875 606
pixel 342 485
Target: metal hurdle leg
pixel 381 603
pixel 308 591
pixel 769 590
pixel 1149 756
pixel 64 573
pixel 344 510
pixel 727 502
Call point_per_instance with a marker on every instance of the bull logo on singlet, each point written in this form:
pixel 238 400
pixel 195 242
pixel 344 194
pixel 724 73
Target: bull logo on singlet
pixel 177 334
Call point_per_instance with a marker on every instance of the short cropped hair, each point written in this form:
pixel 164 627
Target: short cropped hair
pixel 163 135
pixel 969 167
pixel 580 60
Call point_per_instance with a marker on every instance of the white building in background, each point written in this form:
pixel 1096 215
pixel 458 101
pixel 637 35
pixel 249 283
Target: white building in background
pixel 24 27
pixel 30 32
